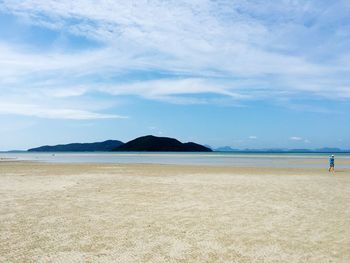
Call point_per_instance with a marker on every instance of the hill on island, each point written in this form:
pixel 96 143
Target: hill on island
pixel 152 143
pixel 80 147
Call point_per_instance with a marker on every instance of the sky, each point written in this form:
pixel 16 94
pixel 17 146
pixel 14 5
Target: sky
pixel 239 73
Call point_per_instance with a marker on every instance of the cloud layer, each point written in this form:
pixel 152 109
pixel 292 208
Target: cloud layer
pixel 176 51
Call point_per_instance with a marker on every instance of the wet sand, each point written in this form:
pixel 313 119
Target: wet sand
pixel 171 213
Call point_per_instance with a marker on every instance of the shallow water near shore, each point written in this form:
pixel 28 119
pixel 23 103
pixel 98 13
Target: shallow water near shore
pixel 283 160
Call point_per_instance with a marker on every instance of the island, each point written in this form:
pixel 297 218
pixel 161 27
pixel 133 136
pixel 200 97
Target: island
pixel 105 146
pixel 152 143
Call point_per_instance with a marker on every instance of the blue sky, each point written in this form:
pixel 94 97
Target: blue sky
pixel 247 74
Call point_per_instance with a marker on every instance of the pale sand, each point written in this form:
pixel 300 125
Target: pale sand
pixel 164 213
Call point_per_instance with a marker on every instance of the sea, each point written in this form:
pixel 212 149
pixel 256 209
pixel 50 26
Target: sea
pixel 234 159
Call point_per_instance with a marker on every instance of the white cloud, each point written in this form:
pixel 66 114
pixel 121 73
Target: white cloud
pixel 295 138
pixel 252 137
pixel 241 50
pixel 299 139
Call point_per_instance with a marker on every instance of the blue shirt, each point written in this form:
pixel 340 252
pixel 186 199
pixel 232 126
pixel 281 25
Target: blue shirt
pixel 331 160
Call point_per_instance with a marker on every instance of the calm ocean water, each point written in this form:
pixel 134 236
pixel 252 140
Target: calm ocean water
pixel 302 160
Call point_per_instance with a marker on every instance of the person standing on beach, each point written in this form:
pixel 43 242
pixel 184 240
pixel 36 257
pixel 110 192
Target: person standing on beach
pixel 331 163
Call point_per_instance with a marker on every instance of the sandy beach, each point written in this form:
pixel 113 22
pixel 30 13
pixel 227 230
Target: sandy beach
pixel 172 213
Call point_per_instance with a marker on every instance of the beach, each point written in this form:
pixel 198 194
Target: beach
pixel 56 212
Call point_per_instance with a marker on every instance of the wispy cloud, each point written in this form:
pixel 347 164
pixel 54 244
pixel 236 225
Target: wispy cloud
pixel 52 113
pixel 174 90
pixel 240 50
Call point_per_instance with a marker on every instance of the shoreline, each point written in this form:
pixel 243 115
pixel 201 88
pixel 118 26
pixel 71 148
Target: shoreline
pixel 13 163
pixel 233 162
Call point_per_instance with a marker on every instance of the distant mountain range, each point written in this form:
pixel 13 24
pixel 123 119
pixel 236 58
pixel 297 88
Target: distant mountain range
pixel 280 150
pixel 80 147
pixel 226 149
pixel 147 143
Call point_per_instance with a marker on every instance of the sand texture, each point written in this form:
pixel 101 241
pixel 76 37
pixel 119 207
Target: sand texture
pixel 166 213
